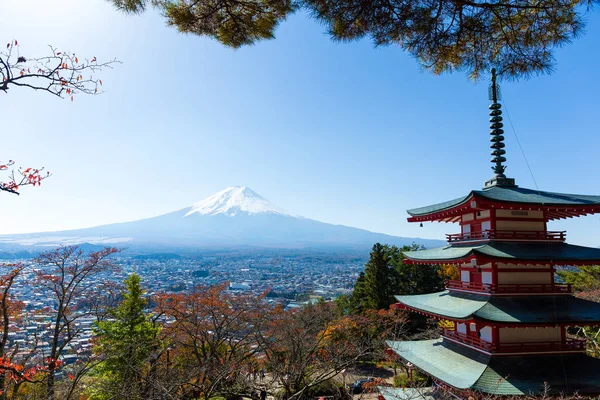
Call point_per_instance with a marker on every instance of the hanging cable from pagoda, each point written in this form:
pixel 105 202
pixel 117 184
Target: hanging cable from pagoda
pixel 496 131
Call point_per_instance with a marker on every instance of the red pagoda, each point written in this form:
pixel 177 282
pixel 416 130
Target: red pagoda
pixel 509 317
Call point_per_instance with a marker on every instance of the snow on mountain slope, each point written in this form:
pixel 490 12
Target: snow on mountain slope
pixel 233 200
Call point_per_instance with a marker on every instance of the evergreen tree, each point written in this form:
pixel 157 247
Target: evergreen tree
pixel 416 279
pixel 127 341
pixel 386 275
pixel 374 288
pixel 518 37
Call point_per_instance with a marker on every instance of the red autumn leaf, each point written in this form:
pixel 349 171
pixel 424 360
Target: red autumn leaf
pixel 100 82
pixel 16 43
pixel 71 98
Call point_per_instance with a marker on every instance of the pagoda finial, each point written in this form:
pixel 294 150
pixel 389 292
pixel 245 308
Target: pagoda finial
pixel 497 138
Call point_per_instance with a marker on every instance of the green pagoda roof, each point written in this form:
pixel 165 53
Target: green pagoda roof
pixel 544 252
pixel 559 309
pixel 513 194
pixel 426 393
pixel 464 368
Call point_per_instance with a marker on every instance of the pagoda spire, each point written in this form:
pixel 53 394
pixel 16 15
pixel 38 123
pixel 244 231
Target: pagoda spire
pixel 497 137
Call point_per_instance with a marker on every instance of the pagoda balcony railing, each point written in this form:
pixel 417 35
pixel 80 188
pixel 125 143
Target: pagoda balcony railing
pixel 509 288
pixel 468 340
pixel 552 236
pixel 520 347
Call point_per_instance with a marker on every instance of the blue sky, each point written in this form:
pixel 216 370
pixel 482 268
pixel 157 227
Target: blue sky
pixel 343 133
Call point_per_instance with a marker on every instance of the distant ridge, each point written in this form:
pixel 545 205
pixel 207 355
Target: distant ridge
pixel 236 217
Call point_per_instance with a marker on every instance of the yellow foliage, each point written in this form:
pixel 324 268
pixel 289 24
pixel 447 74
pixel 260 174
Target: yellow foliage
pixel 449 272
pixel 445 324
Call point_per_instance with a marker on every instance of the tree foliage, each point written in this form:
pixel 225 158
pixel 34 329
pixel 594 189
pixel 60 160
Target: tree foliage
pixel 126 340
pixel 585 282
pixel 66 275
pixel 517 37
pixel 60 73
pixel 386 275
pixel 211 341
pixel 306 348
pixel 21 177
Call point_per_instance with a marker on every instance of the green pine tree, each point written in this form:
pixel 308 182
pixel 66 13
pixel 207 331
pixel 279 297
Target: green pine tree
pixel 374 288
pixel 127 341
pixel 386 275
pixel 414 278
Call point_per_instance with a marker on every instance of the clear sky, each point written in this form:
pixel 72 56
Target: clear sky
pixel 343 133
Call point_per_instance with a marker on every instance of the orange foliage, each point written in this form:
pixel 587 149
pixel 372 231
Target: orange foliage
pixel 21 177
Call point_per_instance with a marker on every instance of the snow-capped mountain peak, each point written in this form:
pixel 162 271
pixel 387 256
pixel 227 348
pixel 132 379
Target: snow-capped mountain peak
pixel 235 200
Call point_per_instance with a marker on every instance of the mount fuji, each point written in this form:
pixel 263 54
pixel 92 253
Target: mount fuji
pixel 236 217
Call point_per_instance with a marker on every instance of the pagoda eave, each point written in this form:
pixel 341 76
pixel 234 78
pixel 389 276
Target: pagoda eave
pixel 507 252
pixel 466 369
pixel 554 205
pixel 543 310
pixel 485 259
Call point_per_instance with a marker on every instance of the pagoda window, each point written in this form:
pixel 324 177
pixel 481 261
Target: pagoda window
pixel 465 276
pixel 485 333
pixel 487 277
pixel 461 328
pixel 486 226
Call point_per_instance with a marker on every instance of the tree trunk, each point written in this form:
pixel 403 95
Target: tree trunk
pixel 50 385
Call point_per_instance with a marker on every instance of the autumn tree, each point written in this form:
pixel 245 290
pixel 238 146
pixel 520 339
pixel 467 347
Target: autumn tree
pixel 13 371
pixel 211 341
pixel 308 347
pixel 17 178
pixel 125 341
pixel 585 281
pixel 517 37
pixel 60 73
pixel 68 276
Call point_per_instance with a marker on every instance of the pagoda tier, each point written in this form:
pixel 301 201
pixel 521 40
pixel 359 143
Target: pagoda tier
pixel 507 268
pixel 509 202
pixel 504 326
pixel 465 369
